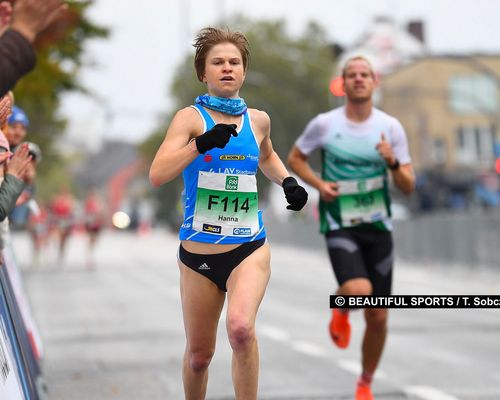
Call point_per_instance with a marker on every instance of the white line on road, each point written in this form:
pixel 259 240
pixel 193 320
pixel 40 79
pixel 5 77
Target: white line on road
pixel 308 348
pixel 354 367
pixel 428 393
pixel 312 349
pixel 273 333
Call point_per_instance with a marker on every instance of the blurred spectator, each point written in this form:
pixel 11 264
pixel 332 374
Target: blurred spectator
pixel 487 190
pixel 425 193
pixel 15 132
pixel 38 228
pixel 18 124
pixel 27 18
pixel 11 175
pixel 10 172
pixel 94 220
pixel 25 201
pixel 62 210
pixel 12 185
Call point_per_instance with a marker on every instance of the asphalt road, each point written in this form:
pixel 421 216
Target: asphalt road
pixel 115 332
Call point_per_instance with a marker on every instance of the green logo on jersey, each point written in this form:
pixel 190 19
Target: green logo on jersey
pixel 231 183
pixel 362 186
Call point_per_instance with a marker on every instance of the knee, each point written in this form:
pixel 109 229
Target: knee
pixel 356 287
pixel 241 334
pixel 376 320
pixel 199 361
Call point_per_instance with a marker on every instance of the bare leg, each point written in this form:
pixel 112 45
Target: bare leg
pixel 374 338
pixel 246 288
pixel 202 304
pixel 91 248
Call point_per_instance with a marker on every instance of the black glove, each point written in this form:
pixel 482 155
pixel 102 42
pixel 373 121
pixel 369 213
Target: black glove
pixel 218 136
pixel 295 194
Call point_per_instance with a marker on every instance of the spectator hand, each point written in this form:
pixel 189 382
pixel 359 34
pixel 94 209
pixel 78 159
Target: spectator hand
pixel 19 163
pixel 5 15
pixel 5 109
pixel 4 157
pixel 295 194
pixel 218 136
pixel 30 17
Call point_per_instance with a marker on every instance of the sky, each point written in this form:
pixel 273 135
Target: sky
pixel 130 73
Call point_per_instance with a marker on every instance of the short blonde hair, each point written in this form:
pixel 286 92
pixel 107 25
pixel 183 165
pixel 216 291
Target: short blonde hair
pixel 209 37
pixel 357 58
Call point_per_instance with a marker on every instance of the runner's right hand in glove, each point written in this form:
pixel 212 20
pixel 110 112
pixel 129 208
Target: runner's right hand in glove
pixel 218 136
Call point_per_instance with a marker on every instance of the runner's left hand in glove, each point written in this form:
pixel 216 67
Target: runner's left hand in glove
pixel 295 194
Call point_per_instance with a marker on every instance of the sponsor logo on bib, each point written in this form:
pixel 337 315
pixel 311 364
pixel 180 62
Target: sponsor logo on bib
pixel 231 182
pixel 211 228
pixel 362 186
pixel 232 157
pixel 242 231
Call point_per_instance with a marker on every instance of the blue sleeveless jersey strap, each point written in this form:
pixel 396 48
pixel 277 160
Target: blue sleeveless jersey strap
pixel 206 116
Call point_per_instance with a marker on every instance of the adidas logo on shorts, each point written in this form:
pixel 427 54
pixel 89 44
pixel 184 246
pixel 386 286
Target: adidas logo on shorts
pixel 204 266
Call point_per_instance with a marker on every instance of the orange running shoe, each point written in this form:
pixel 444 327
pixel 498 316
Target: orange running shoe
pixel 340 328
pixel 364 392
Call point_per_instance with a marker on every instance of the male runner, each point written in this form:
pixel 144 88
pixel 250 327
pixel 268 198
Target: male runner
pixel 359 144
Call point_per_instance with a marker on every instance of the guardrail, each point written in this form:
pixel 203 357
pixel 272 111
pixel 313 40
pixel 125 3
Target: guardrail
pixel 471 240
pixel 20 344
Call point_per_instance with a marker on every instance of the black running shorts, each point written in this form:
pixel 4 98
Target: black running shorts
pixel 362 252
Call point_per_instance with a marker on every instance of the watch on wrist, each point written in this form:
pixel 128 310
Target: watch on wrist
pixel 394 166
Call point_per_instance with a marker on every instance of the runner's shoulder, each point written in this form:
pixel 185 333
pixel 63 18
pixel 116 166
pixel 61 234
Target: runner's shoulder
pixel 189 113
pixel 387 117
pixel 260 118
pixel 190 119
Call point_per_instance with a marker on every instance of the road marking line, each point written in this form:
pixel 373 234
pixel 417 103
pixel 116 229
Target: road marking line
pixel 274 333
pixel 351 366
pixel 354 367
pixel 308 348
pixel 428 393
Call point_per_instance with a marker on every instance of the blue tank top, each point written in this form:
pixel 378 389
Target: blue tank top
pixel 239 160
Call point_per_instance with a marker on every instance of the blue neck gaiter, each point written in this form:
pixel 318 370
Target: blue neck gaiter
pixel 222 104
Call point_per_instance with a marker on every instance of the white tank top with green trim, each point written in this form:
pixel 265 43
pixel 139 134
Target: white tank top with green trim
pixel 350 158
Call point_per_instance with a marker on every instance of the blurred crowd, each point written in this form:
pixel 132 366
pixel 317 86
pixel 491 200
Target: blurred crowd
pixel 20 23
pixel 56 219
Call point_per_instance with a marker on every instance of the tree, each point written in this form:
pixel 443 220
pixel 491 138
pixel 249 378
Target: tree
pixel 287 77
pixel 60 55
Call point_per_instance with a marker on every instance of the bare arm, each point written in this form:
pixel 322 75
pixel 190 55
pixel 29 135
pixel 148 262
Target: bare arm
pixel 404 178
pixel 299 164
pixel 176 152
pixel 28 18
pixel 269 163
pixel 17 58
